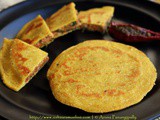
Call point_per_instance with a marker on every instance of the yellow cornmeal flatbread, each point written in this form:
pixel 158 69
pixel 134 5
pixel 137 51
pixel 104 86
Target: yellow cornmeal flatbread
pixel 36 32
pixel 101 76
pixel 65 20
pixel 19 62
pixel 96 19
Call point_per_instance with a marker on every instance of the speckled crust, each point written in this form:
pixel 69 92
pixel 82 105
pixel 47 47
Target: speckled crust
pixel 96 19
pixel 19 62
pixel 100 76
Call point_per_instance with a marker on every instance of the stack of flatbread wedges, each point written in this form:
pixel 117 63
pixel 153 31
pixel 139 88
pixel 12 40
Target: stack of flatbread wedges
pixel 40 33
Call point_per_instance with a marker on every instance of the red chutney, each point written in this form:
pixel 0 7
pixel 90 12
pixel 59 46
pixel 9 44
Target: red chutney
pixel 132 33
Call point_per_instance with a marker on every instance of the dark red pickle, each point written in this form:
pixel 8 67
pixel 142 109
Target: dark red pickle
pixel 132 33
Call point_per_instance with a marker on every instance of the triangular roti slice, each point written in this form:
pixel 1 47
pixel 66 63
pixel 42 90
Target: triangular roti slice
pixel 36 32
pixel 65 20
pixel 19 62
pixel 96 19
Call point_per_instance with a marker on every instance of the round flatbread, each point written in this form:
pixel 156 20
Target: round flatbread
pixel 101 76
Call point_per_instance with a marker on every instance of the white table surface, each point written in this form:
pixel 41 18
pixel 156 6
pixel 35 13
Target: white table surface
pixel 6 3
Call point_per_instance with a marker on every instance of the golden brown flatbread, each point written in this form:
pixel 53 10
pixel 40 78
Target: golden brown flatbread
pixel 19 62
pixel 96 19
pixel 36 32
pixel 100 76
pixel 64 21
